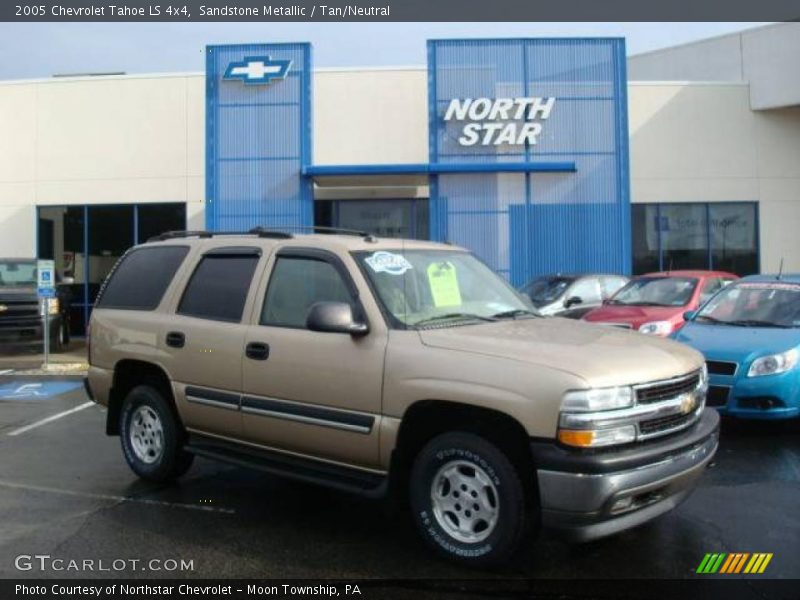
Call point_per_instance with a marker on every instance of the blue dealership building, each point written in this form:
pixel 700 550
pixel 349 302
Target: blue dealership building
pixel 527 149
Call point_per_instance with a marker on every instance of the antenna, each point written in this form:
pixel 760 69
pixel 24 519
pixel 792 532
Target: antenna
pixel 780 270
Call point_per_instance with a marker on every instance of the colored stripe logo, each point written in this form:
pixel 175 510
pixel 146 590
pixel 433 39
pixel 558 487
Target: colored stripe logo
pixel 734 562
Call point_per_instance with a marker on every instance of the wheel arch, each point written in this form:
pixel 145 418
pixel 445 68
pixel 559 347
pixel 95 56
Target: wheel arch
pixel 425 419
pixel 128 373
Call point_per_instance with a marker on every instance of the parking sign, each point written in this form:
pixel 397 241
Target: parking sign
pixel 46 278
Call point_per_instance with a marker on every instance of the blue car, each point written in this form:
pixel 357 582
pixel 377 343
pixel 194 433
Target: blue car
pixel 749 333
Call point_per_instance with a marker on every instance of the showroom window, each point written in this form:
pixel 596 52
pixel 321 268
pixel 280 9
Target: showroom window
pixel 395 218
pixel 719 235
pixel 86 241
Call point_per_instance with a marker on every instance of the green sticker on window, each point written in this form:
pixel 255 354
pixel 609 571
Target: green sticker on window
pixel 444 284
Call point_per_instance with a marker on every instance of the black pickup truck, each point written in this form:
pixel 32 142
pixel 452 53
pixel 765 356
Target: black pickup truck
pixel 20 317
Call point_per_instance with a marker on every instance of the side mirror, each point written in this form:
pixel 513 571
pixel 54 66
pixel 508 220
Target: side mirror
pixel 689 315
pixel 334 317
pixel 572 301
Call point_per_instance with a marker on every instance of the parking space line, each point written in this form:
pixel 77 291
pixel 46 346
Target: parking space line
pixel 113 498
pixel 50 419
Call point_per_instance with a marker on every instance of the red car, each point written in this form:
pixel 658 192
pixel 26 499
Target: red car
pixel 654 303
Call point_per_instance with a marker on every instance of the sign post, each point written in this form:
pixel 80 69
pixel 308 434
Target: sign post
pixel 46 289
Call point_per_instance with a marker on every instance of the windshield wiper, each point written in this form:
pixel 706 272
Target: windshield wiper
pixel 755 323
pixel 454 315
pixel 514 313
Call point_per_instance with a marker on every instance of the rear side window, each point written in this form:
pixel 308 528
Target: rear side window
pixel 219 285
pixel 142 276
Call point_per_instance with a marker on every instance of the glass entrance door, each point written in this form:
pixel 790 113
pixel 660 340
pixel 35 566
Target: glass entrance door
pixel 395 218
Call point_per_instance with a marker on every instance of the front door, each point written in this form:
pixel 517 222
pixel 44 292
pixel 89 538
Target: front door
pixel 312 393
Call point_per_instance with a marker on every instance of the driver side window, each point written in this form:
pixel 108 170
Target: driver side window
pixel 588 290
pixel 295 285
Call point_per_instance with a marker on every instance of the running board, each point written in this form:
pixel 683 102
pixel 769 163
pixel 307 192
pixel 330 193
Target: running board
pixel 346 479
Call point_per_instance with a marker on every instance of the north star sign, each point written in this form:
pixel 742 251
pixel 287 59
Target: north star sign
pixel 513 121
pixel 258 70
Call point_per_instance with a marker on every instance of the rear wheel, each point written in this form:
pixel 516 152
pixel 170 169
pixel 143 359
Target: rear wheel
pixel 468 500
pixel 152 437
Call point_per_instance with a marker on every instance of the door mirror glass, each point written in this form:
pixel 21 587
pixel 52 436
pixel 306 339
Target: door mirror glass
pixel 573 301
pixel 334 317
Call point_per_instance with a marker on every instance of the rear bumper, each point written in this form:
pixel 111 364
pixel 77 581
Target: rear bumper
pixel 585 497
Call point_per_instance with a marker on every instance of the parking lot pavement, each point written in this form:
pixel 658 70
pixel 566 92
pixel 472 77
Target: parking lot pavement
pixel 66 491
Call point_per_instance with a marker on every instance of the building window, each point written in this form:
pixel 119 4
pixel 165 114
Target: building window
pixel 722 236
pixel 395 218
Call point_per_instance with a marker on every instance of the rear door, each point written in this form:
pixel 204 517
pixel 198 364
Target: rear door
pixel 203 341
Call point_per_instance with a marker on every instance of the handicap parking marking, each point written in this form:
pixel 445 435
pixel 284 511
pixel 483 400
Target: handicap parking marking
pixel 36 390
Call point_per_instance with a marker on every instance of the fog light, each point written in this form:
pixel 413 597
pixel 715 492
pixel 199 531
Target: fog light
pixel 622 504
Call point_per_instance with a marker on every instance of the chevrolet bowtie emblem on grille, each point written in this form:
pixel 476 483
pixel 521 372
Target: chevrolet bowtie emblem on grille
pixel 687 403
pixel 258 70
pixel 3 308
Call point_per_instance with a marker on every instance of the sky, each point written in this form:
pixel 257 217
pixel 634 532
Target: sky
pixel 35 50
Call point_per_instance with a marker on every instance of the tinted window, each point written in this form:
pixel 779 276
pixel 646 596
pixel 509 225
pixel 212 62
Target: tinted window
pixel 218 288
pixel 139 281
pixel 296 284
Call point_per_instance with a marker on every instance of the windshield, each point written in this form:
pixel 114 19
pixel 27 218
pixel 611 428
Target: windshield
pixel 754 305
pixel 440 287
pixel 545 290
pixel 656 291
pixel 17 273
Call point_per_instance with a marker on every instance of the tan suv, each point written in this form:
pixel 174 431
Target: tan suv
pixel 395 367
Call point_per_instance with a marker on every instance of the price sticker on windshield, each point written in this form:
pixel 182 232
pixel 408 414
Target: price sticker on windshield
pixel 443 280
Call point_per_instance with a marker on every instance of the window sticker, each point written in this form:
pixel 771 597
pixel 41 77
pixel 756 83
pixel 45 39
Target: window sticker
pixel 444 284
pixel 388 262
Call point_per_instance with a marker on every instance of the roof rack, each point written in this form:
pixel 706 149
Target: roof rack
pixel 262 232
pixel 259 231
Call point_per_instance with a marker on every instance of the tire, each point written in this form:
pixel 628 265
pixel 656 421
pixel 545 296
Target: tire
pixel 60 339
pixel 152 436
pixel 458 465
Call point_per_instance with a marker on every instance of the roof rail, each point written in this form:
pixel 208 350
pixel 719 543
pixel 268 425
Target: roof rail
pixel 260 232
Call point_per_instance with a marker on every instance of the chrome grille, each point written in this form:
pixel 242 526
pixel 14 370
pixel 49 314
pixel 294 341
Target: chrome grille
pixel 659 391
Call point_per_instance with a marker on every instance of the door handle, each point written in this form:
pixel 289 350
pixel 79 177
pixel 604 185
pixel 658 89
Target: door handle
pixel 257 351
pixel 176 339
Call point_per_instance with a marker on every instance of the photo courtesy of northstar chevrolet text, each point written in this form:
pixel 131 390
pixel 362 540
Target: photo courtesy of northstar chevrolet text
pixel 369 308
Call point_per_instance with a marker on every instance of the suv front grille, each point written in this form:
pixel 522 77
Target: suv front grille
pixel 657 392
pixel 664 424
pixel 14 309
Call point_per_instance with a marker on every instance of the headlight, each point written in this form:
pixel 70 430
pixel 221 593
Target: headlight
pixel 597 399
pixel 656 328
pixel 581 402
pixel 773 364
pixel 54 306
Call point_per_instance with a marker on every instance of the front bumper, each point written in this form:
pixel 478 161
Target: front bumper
pixel 767 397
pixel 26 331
pixel 589 496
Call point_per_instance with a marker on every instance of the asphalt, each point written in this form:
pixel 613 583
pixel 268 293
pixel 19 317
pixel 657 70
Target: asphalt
pixel 66 491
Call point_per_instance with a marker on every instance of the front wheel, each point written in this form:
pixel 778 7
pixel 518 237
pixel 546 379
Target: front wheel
pixel 467 499
pixel 152 437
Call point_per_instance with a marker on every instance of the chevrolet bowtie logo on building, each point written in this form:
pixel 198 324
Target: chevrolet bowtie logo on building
pixel 258 70
pixel 735 562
